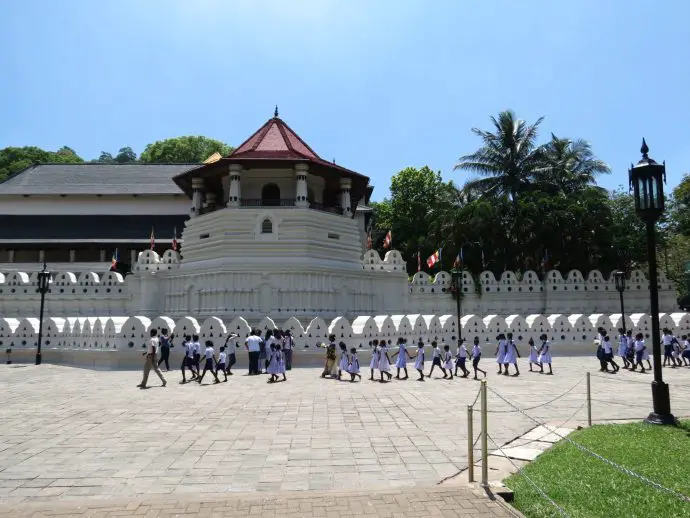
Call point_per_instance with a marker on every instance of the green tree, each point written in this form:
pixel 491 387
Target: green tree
pixel 126 156
pixel 568 166
pixel 183 150
pixel 507 159
pixel 16 159
pixel 105 158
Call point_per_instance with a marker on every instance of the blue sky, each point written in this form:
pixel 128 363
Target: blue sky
pixel 376 85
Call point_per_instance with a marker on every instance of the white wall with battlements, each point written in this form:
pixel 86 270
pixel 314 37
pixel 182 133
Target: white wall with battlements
pixel 162 285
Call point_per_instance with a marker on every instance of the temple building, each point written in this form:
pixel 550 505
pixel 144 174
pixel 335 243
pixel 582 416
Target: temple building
pixel 74 216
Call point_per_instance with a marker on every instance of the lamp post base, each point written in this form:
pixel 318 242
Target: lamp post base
pixel 38 358
pixel 662 405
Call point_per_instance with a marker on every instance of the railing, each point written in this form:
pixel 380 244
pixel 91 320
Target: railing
pixel 259 202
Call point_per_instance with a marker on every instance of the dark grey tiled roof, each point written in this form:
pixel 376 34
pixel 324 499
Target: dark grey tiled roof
pixel 96 179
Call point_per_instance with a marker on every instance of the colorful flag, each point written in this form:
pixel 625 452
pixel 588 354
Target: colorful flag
pixel 114 260
pixel 434 258
pixel 174 240
pixel 419 261
pixel 369 240
pixel 459 260
pixel 388 240
pixel 153 239
pixel 483 262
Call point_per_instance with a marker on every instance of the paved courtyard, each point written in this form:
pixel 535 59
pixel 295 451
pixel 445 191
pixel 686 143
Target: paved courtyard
pixel 75 435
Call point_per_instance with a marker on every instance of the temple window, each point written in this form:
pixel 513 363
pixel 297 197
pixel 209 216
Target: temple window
pixel 267 226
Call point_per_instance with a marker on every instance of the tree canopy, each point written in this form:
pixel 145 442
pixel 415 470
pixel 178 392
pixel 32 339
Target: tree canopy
pixel 16 159
pixel 183 150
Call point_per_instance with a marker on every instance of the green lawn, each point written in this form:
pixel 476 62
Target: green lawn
pixel 586 487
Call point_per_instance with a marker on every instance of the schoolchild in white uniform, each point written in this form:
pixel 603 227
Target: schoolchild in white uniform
pixel 208 365
pixel 419 360
pixel 667 342
pixel 476 356
pixel 640 349
pixel 685 351
pixel 599 342
pixel 353 367
pixel 623 348
pixel 545 354
pixel 344 362
pixel 511 356
pixel 403 356
pixel 222 361
pixel 533 355
pixel 282 365
pixel 447 362
pixel 384 361
pixel 608 354
pixel 501 352
pixel 196 346
pixel 676 352
pixel 461 359
pixel 230 350
pixel 188 360
pixel 435 359
pixel 373 365
pixel 272 359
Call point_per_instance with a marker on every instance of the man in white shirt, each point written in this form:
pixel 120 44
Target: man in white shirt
pixel 151 362
pixel 253 345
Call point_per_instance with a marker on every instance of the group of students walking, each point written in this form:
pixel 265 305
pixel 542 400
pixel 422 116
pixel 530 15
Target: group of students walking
pixel 506 354
pixel 634 351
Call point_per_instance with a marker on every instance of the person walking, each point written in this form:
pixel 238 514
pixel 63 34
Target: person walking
pixel 150 362
pixel 165 349
pixel 288 344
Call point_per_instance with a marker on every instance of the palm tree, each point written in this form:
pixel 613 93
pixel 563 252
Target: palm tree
pixel 507 160
pixel 568 166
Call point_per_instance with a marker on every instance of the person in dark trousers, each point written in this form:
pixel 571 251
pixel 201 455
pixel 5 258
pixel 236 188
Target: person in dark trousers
pixel 165 341
pixel 288 344
pixel 232 359
pixel 253 345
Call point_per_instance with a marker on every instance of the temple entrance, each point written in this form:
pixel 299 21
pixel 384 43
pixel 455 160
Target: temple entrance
pixel 270 195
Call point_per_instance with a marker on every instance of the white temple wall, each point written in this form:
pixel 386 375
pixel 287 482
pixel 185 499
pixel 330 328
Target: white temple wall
pixel 37 205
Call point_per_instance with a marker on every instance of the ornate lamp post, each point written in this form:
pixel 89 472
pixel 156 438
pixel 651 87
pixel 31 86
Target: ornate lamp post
pixel 43 288
pixel 457 283
pixel 619 277
pixel 647 180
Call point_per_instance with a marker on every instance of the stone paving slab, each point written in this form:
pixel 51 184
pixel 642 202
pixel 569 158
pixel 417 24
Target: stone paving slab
pixel 70 434
pixel 435 502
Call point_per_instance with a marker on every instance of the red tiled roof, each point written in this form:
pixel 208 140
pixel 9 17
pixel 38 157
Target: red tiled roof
pixel 275 140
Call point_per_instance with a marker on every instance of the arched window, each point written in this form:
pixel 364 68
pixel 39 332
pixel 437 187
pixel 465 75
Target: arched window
pixel 267 226
pixel 270 195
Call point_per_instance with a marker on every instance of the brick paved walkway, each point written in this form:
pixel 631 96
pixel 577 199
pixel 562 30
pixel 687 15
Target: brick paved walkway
pixel 423 503
pixel 70 435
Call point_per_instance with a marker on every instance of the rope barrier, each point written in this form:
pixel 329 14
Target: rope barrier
pixel 614 465
pixel 541 404
pixel 626 380
pixel 532 483
pixel 476 398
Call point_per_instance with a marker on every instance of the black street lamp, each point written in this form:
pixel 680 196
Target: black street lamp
pixel 619 277
pixel 647 180
pixel 457 283
pixel 43 288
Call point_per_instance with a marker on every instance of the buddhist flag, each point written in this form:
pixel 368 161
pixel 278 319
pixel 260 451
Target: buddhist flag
pixel 153 239
pixel 419 261
pixel 483 261
pixel 174 240
pixel 388 240
pixel 114 260
pixel 545 260
pixel 434 258
pixel 369 241
pixel 459 260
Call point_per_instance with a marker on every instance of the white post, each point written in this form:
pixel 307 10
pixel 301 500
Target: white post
pixel 41 256
pixel 234 192
pixel 197 196
pixel 485 444
pixel 345 203
pixel 301 171
pixel 470 444
pixel 73 255
pixel 11 255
